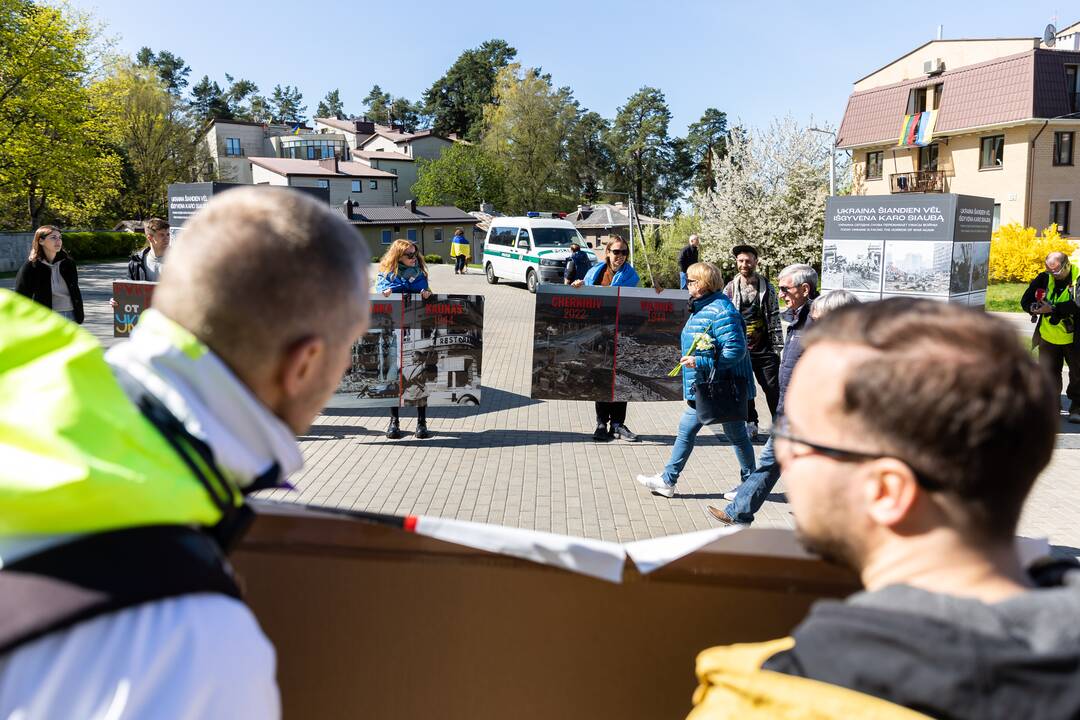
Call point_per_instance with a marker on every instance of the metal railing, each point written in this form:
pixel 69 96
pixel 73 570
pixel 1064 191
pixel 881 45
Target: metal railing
pixel 234 152
pixel 922 181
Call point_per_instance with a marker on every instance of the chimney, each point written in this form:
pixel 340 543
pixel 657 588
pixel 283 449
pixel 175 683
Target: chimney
pixel 330 164
pixel 411 205
pixel 348 209
pixel 364 127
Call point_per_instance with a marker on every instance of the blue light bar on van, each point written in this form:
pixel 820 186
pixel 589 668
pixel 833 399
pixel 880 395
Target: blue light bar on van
pixel 532 213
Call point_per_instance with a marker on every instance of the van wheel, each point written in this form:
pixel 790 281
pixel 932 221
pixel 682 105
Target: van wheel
pixel 530 281
pixel 489 271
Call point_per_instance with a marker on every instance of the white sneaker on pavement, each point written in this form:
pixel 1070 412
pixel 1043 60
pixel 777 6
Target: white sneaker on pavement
pixel 656 485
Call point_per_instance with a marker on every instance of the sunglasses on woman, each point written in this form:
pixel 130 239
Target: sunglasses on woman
pixel 410 254
pixel 619 252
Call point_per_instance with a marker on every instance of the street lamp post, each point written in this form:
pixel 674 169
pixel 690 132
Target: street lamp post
pixel 832 158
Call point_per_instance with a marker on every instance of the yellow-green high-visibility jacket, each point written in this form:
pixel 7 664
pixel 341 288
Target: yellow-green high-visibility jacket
pixel 1056 334
pixel 76 454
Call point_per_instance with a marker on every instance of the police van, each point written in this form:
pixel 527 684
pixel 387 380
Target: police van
pixel 530 249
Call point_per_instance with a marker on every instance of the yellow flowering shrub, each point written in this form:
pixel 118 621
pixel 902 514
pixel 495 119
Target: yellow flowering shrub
pixel 1017 253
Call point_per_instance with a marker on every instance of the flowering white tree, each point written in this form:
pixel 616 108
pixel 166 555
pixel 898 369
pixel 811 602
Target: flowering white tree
pixel 770 193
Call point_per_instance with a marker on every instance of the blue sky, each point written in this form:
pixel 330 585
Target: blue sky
pixel 754 60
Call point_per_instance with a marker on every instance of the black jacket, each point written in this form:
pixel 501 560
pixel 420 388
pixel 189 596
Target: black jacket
pixel 577 265
pixel 798 323
pixel 687 257
pixel 936 667
pixel 34 280
pixel 1066 309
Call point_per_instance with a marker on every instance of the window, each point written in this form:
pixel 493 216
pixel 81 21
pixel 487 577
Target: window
pixel 232 147
pixel 928 157
pixel 374 184
pixel 924 98
pixel 1072 78
pixel 503 236
pixel 1059 214
pixel 311 149
pixel 873 165
pixel 997 216
pixel 411 234
pixel 323 183
pixel 1063 148
pixel 437 232
pixel 523 237
pixel 357 186
pixel 387 236
pixel 992 153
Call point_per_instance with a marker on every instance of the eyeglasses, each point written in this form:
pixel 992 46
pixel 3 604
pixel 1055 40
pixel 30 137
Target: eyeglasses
pixel 782 431
pixel 785 289
pixel 619 252
pixel 692 281
pixel 409 254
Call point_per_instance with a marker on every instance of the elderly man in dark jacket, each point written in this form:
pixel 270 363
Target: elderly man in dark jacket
pixel 798 285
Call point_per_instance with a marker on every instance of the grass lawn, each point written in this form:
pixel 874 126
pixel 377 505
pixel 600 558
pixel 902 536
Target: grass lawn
pixel 1004 297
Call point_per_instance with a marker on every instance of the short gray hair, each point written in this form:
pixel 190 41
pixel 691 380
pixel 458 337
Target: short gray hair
pixel 831 301
pixel 801 273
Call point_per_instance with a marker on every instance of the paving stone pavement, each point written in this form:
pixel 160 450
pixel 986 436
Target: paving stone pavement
pixel 532 464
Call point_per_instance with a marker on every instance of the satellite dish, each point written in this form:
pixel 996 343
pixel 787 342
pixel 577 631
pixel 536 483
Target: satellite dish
pixel 1050 35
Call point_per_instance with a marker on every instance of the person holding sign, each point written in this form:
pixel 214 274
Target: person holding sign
pixel 402 270
pixel 49 276
pixel 714 336
pixel 615 271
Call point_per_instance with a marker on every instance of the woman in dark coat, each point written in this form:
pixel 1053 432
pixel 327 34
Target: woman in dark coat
pixel 49 276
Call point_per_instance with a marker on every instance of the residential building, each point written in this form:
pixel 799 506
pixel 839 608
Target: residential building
pixel 423 144
pixel 975 117
pixel 430 227
pixel 598 222
pixel 355 182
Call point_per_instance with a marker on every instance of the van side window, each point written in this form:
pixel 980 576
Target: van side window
pixel 503 236
pixel 523 234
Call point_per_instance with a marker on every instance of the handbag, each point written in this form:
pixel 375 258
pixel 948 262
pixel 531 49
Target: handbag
pixel 721 397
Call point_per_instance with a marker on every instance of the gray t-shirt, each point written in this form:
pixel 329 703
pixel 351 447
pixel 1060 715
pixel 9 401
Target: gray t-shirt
pixel 61 297
pixel 153 266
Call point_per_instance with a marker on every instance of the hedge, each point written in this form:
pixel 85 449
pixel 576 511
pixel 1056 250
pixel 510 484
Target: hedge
pixel 433 259
pixel 102 245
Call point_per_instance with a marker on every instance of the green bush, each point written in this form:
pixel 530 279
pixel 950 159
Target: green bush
pixel 102 245
pixel 433 259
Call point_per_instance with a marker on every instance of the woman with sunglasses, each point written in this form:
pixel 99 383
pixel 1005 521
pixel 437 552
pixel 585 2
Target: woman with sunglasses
pixel 712 314
pixel 402 270
pixel 615 271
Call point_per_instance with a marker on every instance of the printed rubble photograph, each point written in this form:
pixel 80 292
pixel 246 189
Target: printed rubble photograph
pixel 574 344
pixel 960 273
pixel 980 266
pixel 648 344
pixel 851 265
pixel 373 378
pixel 919 267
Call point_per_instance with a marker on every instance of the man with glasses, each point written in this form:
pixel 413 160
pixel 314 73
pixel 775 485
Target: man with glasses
pixel 913 432
pixel 1051 300
pixel 798 285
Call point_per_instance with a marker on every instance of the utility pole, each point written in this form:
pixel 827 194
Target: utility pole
pixel 832 158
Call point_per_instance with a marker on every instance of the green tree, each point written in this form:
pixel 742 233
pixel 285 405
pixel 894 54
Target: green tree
pixel 648 161
pixel 405 114
pixel 455 102
pixel 286 104
pixel 156 143
pixel 54 156
pixel 377 105
pixel 331 106
pixel 589 163
pixel 527 126
pixel 239 97
pixel 464 176
pixel 208 101
pixel 706 140
pixel 171 69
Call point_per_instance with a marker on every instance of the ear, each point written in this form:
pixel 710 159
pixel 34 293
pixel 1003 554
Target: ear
pixel 301 363
pixel 890 491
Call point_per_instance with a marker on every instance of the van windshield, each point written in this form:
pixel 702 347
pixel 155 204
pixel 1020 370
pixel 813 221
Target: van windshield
pixel 555 237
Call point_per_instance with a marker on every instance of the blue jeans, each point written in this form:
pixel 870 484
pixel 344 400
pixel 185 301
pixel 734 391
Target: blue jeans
pixel 684 445
pixel 752 493
pixel 682 281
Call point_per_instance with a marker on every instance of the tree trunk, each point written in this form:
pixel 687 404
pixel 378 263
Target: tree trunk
pixel 35 209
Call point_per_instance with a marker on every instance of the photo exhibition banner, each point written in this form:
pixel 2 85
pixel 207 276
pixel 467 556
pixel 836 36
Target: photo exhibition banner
pixel 132 297
pixel 417 353
pixel 921 245
pixel 601 343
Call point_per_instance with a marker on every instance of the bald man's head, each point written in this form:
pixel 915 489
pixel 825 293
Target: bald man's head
pixel 260 272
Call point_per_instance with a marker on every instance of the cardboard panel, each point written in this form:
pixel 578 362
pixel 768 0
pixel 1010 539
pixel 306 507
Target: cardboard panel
pixel 132 297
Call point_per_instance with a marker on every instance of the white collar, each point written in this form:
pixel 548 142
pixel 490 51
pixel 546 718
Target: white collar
pixel 203 393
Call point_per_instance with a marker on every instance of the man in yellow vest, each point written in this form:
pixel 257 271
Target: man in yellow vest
pixel 122 476
pixel 1051 300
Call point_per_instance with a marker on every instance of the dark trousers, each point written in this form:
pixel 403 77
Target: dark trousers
pixel 614 412
pixel 1052 357
pixel 459 263
pixel 767 371
pixel 421 413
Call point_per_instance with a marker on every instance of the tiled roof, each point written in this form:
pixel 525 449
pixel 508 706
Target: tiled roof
pixel 988 93
pixel 402 214
pixel 290 166
pixel 346 125
pixel 376 155
pixel 606 216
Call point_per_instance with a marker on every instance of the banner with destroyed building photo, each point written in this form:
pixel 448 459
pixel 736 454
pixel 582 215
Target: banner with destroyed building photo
pixel 647 345
pixel 417 352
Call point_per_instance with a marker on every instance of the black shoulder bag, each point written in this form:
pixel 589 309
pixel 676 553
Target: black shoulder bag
pixel 721 397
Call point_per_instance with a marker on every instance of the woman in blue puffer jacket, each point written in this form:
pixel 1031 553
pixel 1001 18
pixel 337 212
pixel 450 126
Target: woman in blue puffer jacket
pixel 710 312
pixel 402 270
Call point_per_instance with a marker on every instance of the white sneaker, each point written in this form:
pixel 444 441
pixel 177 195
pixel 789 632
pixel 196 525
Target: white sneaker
pixel 752 430
pixel 656 485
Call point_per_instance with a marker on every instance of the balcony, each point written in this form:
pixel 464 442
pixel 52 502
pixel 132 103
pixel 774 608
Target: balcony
pixel 923 181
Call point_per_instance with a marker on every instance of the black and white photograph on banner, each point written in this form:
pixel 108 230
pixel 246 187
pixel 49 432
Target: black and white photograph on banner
pixel 980 266
pixel 574 343
pixel 960 274
pixel 917 267
pixel 374 378
pixel 442 350
pixel 647 347
pixel 851 265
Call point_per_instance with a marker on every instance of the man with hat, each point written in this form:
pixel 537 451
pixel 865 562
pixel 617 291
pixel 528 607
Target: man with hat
pixel 756 300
